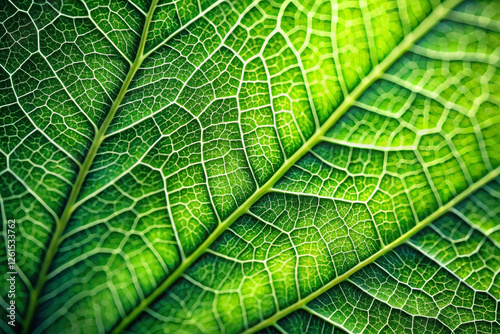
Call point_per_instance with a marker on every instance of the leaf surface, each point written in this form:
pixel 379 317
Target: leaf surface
pixel 236 166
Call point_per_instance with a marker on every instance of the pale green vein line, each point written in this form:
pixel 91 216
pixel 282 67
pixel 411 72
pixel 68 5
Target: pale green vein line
pixel 82 174
pixel 474 20
pixel 439 13
pixel 184 27
pixel 429 219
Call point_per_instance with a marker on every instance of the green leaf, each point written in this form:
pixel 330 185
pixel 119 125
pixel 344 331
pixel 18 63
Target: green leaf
pixel 243 166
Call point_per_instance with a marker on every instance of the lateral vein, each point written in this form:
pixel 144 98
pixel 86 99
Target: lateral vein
pixel 68 210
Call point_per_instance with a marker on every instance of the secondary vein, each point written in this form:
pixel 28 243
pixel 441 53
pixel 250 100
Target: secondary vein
pixel 82 174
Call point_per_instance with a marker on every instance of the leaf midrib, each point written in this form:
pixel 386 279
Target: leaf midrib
pixel 377 71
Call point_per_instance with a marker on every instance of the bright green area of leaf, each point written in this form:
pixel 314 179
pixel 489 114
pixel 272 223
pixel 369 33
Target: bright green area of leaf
pixel 235 166
pixel 444 279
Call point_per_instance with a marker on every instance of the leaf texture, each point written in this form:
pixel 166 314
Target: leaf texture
pixel 244 166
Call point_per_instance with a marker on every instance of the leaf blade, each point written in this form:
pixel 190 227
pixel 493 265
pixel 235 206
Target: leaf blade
pixel 143 187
